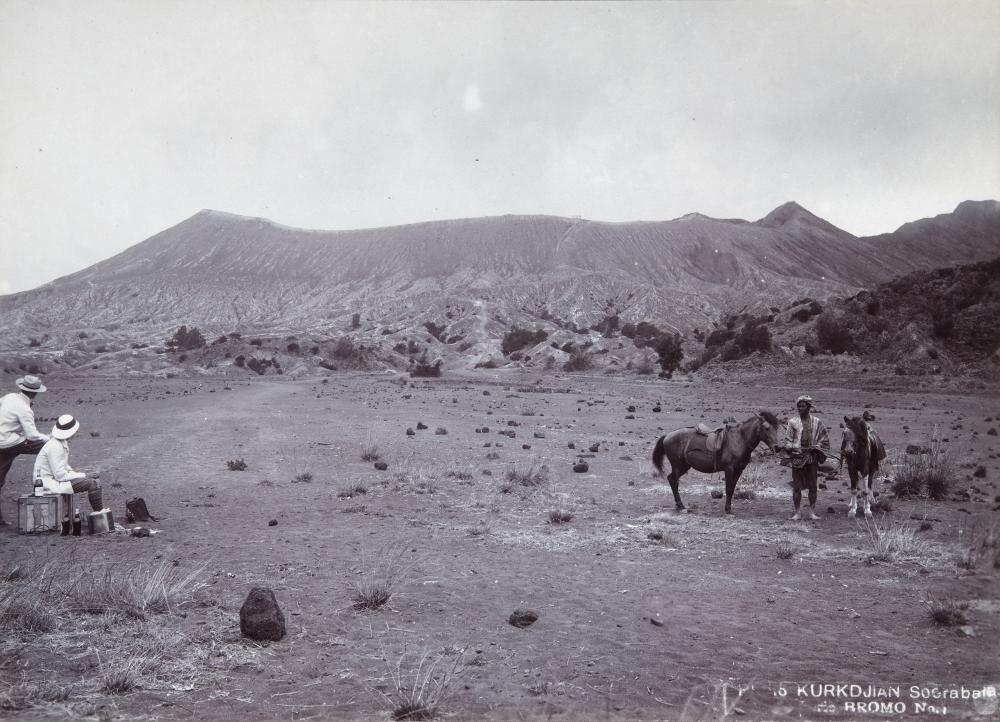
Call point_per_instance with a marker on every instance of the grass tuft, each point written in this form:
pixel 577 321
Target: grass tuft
pixel 932 474
pixel 419 692
pixel 236 465
pixel 558 516
pixel 379 578
pixel 892 540
pixel 947 612
pixel 369 450
pixel 304 478
pixel 785 551
pixel 527 475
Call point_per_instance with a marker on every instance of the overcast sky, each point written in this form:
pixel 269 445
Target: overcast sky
pixel 120 119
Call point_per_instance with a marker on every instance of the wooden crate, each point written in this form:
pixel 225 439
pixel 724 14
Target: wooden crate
pixel 38 514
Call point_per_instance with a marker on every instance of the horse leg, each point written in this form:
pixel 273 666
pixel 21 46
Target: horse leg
pixel 867 495
pixel 732 475
pixel 853 508
pixel 676 472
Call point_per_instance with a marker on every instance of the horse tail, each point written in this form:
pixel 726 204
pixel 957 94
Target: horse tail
pixel 659 451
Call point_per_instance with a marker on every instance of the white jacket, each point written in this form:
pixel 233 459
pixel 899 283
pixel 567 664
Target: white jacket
pixel 17 421
pixel 52 467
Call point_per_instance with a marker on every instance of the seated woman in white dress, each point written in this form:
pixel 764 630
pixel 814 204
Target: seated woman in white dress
pixel 53 470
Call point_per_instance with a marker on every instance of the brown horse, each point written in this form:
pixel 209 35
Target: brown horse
pixel 688 448
pixel 862 450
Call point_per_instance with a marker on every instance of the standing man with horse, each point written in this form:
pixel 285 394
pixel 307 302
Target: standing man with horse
pixel 807 441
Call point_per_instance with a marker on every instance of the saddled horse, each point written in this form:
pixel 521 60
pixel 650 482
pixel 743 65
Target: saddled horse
pixel 862 450
pixel 726 449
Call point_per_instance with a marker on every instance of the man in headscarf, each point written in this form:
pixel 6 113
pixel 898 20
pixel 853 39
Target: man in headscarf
pixel 18 434
pixel 807 442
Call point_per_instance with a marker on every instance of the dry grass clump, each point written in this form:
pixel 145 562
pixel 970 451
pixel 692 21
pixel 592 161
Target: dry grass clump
pixel 24 610
pixel 931 474
pixel 745 494
pixel 479 530
pixel 558 516
pixel 25 695
pixel 369 450
pixel 304 478
pixel 785 551
pixel 527 475
pixel 947 612
pixel 418 692
pixel 133 593
pixel 355 489
pixel 892 540
pixel 753 479
pixel 379 578
pixel 236 465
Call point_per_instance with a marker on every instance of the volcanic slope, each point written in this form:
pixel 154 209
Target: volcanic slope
pixel 222 271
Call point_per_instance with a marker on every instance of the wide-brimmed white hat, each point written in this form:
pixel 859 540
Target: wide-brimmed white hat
pixel 804 397
pixel 65 427
pixel 31 384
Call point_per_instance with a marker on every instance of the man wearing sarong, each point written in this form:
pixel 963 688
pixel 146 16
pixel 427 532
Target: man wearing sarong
pixel 807 442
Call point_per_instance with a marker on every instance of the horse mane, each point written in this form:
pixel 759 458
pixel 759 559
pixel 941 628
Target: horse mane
pixel 770 418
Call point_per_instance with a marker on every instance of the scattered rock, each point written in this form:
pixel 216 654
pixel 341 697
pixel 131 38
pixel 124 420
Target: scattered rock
pixel 655 622
pixel 260 617
pixel 657 409
pixel 594 448
pixel 421 426
pixel 522 618
pixel 980 471
pixel 571 445
pixel 410 432
pixel 631 409
pixel 525 446
pixel 381 465
pixel 967 631
pixel 581 467
pixel 629 416
pixel 539 435
pixel 273 522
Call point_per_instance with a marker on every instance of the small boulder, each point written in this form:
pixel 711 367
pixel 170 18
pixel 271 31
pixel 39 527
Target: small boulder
pixel 381 465
pixel 260 617
pixel 657 409
pixel 581 467
pixel 410 432
pixel 522 618
pixel 273 522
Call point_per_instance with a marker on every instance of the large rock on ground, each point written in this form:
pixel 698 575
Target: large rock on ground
pixel 260 616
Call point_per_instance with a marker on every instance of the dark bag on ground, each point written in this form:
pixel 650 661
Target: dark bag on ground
pixel 136 511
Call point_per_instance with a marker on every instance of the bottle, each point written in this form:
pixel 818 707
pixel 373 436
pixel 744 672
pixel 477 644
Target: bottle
pixel 39 490
pixel 77 524
pixel 65 524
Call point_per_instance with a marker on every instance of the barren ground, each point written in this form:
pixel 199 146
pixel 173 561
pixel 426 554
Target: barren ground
pixel 729 613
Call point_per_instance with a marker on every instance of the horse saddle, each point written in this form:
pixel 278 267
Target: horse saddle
pixel 714 438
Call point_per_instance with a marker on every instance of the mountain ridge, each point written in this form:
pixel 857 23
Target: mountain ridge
pixel 224 271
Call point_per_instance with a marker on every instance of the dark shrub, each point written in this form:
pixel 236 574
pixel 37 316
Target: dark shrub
pixel 256 342
pixel 185 339
pixel 423 368
pixel 669 351
pixel 34 342
pixel 221 339
pixel 832 334
pixel 399 347
pixel 345 350
pixel 942 323
pixel 293 347
pixel 719 337
pixel 519 338
pixel 434 330
pixel 240 361
pixel 578 361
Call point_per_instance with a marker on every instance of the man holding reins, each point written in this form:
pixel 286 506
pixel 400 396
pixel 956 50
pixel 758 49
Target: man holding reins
pixel 807 442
